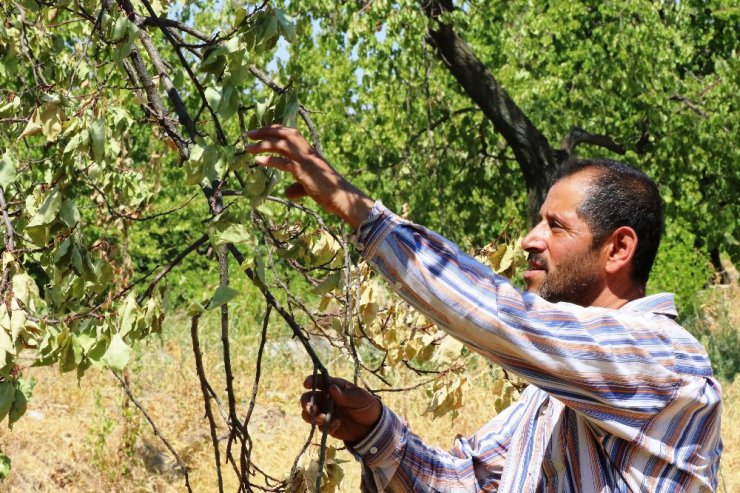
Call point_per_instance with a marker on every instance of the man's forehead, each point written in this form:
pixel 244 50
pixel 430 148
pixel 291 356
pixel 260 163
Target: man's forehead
pixel 567 194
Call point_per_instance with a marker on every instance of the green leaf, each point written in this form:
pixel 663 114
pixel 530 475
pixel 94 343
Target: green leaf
pixel 287 26
pixel 234 233
pixel 117 354
pixel 78 140
pixel 8 169
pixel 48 210
pixel 10 107
pixel 23 391
pixel 69 213
pixel 97 135
pixel 223 295
pixel 330 283
pixel 7 396
pixel 214 61
pixel 194 309
pixel 67 356
pixel 4 466
pixel 120 29
pixel 213 96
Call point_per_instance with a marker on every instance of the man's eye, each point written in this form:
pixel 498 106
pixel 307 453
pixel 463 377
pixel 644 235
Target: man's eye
pixel 554 225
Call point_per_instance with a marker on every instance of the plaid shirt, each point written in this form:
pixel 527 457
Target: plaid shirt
pixel 620 400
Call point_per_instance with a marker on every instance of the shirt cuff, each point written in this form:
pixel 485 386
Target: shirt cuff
pixel 375 228
pixel 380 444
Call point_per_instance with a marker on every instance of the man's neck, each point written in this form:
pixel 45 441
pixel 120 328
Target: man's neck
pixel 617 298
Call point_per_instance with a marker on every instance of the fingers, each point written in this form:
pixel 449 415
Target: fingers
pixel 312 404
pixel 275 162
pixel 344 393
pixel 288 142
pixel 295 191
pixel 308 383
pixel 271 132
pixel 278 146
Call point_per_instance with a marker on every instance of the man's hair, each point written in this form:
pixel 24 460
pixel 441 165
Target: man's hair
pixel 620 195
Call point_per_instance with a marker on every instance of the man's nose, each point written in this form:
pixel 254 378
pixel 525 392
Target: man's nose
pixel 534 241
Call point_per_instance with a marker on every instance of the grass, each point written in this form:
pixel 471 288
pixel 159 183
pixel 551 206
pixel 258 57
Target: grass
pixel 87 437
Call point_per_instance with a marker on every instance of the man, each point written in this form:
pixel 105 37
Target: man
pixel 621 397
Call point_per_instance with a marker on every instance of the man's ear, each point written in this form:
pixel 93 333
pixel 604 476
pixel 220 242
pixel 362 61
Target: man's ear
pixel 619 250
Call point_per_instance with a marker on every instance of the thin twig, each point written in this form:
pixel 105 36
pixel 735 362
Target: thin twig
pixel 9 238
pixel 206 398
pixel 156 429
pixel 223 263
pixel 171 265
pixel 246 453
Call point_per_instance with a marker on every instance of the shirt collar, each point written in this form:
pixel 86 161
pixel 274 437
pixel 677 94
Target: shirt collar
pixel 660 303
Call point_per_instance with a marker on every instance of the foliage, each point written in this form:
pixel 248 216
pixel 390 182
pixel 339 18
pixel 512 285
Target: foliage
pixel 660 78
pixel 681 267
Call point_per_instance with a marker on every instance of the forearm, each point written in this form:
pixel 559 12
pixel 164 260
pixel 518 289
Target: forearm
pixel 349 203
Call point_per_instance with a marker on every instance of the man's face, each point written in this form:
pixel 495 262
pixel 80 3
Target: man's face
pixel 564 265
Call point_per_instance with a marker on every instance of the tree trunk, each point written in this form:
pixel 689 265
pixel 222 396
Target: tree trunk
pixel 537 159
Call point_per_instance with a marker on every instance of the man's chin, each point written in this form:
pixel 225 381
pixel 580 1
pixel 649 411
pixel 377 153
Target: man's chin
pixel 533 279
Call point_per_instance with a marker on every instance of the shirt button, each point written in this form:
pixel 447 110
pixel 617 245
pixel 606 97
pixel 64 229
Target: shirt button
pixel 399 285
pixel 360 246
pixel 373 450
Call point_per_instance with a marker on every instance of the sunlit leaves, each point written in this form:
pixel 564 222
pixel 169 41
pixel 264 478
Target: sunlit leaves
pixel 8 168
pixel 97 137
pixel 264 29
pixel 14 396
pixel 117 354
pixel 307 471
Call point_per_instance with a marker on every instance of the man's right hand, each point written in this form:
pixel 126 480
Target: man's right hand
pixel 314 176
pixel 356 411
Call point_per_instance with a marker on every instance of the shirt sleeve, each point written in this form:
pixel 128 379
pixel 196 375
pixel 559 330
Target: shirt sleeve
pixel 394 459
pixel 616 367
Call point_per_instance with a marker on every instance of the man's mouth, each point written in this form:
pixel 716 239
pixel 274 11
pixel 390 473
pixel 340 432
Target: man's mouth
pixel 535 267
pixel 535 263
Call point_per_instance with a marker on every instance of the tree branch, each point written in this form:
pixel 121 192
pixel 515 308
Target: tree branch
pixel 156 430
pixel 577 136
pixel 166 270
pixel 533 152
pixel 9 238
pixel 206 398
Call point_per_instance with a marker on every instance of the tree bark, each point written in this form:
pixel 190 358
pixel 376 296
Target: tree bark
pixel 537 159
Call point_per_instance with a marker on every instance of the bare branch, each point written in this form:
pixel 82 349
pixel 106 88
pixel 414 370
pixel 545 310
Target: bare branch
pixel 166 270
pixel 206 398
pixel 536 157
pixel 246 453
pixel 156 430
pixel 690 105
pixel 163 21
pixel 9 238
pixel 577 136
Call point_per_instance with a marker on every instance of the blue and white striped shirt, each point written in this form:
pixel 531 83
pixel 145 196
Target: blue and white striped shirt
pixel 620 400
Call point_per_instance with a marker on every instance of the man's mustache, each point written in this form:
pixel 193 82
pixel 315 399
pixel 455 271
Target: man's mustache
pixel 537 261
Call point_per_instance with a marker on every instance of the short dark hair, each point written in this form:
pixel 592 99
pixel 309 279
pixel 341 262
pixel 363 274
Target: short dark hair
pixel 620 195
